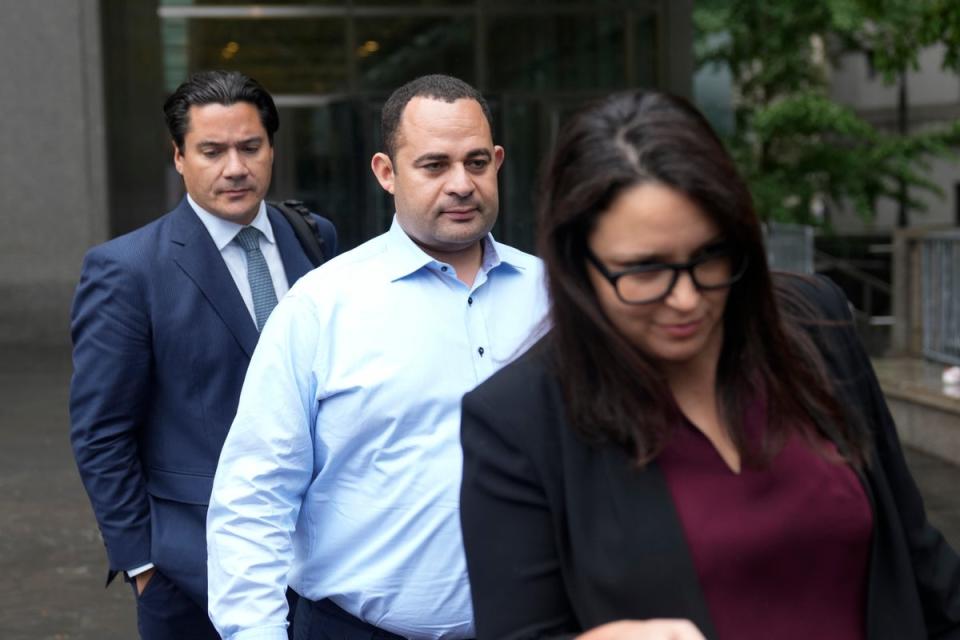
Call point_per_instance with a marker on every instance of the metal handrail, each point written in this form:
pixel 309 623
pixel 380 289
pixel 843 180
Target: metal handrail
pixel 844 266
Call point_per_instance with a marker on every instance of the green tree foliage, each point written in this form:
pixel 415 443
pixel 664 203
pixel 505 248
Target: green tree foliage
pixel 799 149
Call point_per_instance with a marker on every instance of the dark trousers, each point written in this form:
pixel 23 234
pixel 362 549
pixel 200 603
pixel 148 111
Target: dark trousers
pixel 164 612
pixel 324 620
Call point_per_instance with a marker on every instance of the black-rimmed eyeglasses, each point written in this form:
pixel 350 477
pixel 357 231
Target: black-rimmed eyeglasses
pixel 716 268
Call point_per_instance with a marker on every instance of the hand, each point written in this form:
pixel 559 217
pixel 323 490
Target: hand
pixel 656 629
pixel 141 579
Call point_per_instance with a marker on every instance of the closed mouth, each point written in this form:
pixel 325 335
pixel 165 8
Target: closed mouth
pixel 682 329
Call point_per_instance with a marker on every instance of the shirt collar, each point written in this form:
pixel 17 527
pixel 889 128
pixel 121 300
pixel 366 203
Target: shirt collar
pixel 407 256
pixel 223 231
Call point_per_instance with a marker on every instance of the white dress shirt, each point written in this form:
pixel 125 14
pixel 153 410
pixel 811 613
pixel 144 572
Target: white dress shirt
pixel 223 232
pixel 342 468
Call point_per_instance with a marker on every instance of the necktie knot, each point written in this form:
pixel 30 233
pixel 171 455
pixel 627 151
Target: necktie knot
pixel 249 239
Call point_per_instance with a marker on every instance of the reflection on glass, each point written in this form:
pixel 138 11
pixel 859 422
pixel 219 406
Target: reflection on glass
pixel 522 127
pixel 286 56
pixel 506 5
pixel 536 61
pixel 646 37
pixel 412 3
pixel 559 52
pixel 319 159
pixel 392 51
pixel 174 34
pixel 217 3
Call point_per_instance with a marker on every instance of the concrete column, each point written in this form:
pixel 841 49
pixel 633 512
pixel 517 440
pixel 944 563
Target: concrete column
pixel 53 184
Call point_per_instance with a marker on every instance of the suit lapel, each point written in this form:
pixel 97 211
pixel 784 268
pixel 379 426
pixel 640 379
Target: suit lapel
pixel 197 255
pixel 654 544
pixel 295 262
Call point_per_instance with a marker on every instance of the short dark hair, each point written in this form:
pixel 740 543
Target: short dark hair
pixel 613 392
pixel 217 87
pixel 436 87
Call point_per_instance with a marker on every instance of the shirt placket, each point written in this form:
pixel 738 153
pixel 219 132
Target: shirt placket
pixel 478 335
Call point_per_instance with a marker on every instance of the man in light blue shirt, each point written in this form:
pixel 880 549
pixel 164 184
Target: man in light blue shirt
pixel 341 472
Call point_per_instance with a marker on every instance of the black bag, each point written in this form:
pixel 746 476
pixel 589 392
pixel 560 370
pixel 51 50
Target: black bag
pixel 305 228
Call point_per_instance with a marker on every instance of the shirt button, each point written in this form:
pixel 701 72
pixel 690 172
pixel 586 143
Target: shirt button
pixel 480 351
pixel 443 268
pixel 470 300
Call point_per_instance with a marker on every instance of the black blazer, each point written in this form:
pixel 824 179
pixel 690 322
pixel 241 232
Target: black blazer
pixel 561 537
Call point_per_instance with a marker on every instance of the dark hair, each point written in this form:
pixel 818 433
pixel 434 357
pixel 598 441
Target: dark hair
pixel 613 392
pixel 217 87
pixel 437 87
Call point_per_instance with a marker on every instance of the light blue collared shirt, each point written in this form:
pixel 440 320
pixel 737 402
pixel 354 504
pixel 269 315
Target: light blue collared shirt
pixel 223 232
pixel 342 467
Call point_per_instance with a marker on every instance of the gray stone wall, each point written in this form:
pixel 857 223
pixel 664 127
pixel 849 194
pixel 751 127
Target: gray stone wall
pixel 53 186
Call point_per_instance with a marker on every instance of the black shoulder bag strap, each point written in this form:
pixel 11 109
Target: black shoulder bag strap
pixel 305 228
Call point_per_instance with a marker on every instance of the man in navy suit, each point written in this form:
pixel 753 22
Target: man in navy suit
pixel 164 322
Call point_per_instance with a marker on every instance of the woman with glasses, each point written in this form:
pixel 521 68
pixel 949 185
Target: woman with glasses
pixel 697 449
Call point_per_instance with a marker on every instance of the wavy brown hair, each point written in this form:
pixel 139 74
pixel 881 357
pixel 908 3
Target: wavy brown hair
pixel 613 392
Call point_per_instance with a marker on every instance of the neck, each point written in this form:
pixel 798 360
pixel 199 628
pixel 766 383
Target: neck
pixel 697 377
pixel 694 388
pixel 696 383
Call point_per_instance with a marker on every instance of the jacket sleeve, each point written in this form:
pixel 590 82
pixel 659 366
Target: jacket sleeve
pixel 508 532
pixel 108 400
pixel 936 565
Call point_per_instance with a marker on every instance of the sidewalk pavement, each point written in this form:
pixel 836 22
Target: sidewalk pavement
pixel 51 557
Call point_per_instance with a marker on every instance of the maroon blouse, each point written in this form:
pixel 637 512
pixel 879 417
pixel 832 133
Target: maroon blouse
pixel 781 552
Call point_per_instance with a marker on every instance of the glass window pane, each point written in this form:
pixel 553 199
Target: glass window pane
pixel 646 37
pixel 507 5
pixel 524 136
pixel 392 51
pixel 285 56
pixel 320 159
pixel 411 3
pixel 215 3
pixel 560 52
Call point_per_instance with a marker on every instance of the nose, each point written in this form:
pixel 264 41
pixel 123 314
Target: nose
pixel 235 167
pixel 459 182
pixel 685 294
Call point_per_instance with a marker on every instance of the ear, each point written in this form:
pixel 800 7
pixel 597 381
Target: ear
pixel 177 158
pixel 497 156
pixel 383 170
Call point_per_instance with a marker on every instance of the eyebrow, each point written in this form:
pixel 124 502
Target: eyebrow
pixel 432 157
pixel 657 256
pixel 443 157
pixel 479 152
pixel 214 143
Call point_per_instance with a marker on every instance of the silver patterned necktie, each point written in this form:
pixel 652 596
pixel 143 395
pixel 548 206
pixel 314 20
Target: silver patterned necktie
pixel 258 275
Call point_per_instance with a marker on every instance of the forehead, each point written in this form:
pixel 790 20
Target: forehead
pixel 239 120
pixel 429 125
pixel 656 218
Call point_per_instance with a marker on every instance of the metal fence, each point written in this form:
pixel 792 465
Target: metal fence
pixel 940 296
pixel 789 247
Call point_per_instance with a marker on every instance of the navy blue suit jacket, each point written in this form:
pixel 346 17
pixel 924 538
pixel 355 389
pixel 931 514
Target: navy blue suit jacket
pixel 162 340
